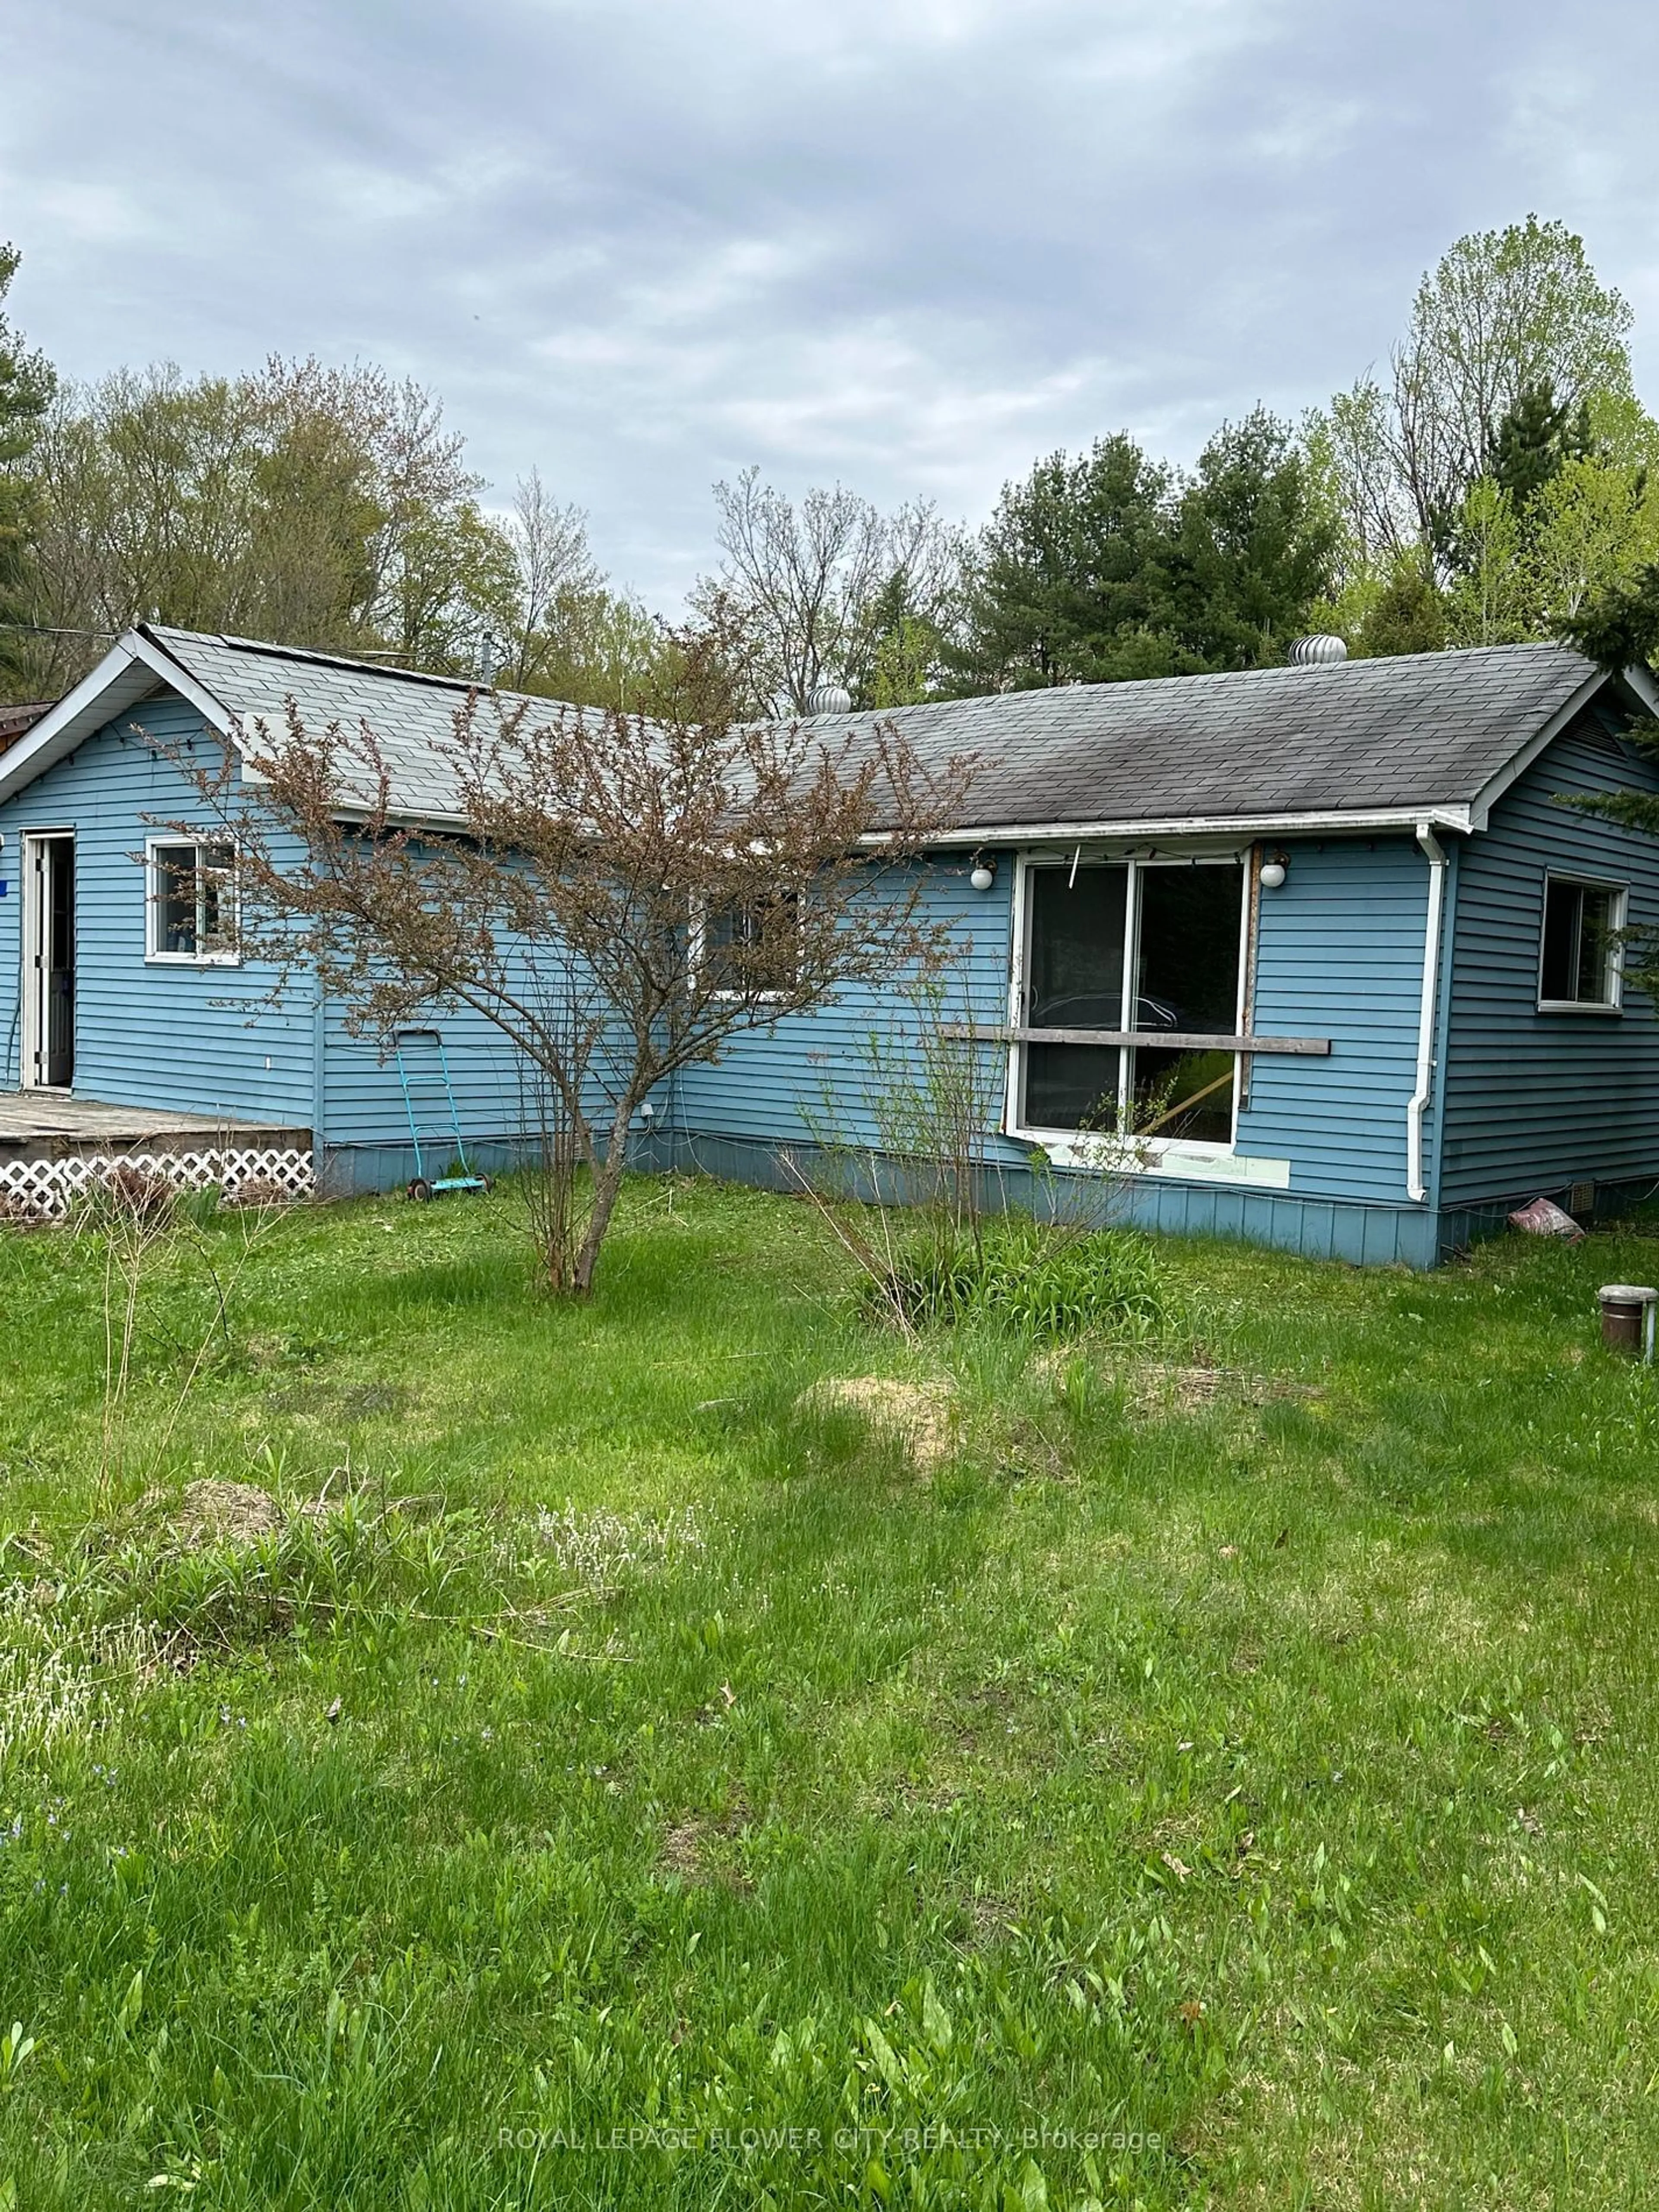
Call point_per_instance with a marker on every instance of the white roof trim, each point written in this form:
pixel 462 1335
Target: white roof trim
pixel 134 669
pixel 173 672
pixel 1352 821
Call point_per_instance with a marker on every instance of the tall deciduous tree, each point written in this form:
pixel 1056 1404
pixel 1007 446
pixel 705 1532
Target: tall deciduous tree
pixel 1504 311
pixel 26 388
pixel 555 567
pixel 310 506
pixel 569 635
pixel 1593 522
pixel 1487 600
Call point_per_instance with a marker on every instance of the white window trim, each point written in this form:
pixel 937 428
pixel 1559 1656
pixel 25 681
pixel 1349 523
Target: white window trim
pixel 1615 1003
pixel 697 951
pixel 1071 1148
pixel 155 955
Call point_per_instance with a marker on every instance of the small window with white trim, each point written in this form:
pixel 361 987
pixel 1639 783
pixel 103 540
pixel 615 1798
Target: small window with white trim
pixel 1578 966
pixel 191 901
pixel 753 946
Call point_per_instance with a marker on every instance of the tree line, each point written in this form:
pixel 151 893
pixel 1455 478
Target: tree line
pixel 1492 479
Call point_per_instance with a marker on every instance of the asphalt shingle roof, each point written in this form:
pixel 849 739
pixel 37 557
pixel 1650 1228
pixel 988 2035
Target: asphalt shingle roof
pixel 1431 730
pixel 412 717
pixel 1355 736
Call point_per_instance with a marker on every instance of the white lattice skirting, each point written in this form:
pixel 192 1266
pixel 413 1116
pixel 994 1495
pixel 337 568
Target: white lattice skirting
pixel 49 1187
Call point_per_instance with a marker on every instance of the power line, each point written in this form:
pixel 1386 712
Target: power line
pixel 357 653
pixel 44 629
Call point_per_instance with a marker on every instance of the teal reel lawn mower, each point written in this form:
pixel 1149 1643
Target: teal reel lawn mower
pixel 429 1101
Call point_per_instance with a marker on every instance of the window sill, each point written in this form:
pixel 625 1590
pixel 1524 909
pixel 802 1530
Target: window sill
pixel 193 960
pixel 1117 1155
pixel 1577 1007
pixel 1191 1163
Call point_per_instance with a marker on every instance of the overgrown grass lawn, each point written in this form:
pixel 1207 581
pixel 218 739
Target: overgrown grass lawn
pixel 633 1789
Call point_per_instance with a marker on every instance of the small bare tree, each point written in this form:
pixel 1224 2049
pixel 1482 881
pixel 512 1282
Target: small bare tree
pixel 619 898
pixel 555 566
pixel 811 581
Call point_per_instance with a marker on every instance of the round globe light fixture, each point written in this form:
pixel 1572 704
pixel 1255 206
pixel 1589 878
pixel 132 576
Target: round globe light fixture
pixel 983 875
pixel 1273 874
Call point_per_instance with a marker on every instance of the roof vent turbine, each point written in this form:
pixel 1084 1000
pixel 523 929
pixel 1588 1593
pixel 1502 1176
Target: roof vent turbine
pixel 828 699
pixel 1316 651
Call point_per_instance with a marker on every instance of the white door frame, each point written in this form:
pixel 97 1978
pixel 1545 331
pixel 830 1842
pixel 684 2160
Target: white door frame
pixel 36 918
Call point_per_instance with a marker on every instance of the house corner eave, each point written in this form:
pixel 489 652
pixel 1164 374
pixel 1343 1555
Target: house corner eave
pixel 134 669
pixel 1638 680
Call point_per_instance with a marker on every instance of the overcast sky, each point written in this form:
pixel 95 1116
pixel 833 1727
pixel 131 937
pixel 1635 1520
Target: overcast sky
pixel 908 244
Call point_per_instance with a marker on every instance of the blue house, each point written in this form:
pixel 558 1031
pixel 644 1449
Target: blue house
pixel 1324 933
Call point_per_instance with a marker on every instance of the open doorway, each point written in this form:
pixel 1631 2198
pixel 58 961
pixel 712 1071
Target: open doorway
pixel 48 961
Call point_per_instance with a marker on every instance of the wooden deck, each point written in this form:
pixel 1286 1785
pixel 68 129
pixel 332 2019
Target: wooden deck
pixel 39 1125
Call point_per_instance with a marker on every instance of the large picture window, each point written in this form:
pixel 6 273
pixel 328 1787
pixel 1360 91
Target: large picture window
pixel 191 901
pixel 1578 960
pixel 1133 947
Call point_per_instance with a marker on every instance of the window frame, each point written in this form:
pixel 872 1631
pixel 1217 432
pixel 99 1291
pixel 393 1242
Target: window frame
pixel 1614 1003
pixel 701 952
pixel 1077 1148
pixel 156 952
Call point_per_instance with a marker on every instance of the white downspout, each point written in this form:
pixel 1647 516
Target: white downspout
pixel 1416 1187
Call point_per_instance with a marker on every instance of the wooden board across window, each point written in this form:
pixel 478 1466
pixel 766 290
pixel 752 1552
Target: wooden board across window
pixel 1170 1040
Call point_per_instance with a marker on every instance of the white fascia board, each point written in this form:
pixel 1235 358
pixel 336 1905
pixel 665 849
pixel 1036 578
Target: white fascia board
pixel 120 680
pixel 133 670
pixel 396 819
pixel 179 678
pixel 1516 767
pixel 1347 822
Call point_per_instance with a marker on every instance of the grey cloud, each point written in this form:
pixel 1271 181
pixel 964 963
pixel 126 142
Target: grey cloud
pixel 911 245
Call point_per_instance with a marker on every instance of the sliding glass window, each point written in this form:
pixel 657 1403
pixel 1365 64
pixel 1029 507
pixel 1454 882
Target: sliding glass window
pixel 1176 931
pixel 1075 940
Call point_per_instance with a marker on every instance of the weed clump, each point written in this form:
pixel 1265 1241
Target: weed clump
pixel 1025 1276
pixel 602 1550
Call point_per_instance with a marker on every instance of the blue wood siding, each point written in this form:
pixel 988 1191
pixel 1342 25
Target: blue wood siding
pixel 789 1081
pixel 191 1040
pixel 363 1099
pixel 1339 954
pixel 1534 1102
pixel 1328 1228
pixel 495 1090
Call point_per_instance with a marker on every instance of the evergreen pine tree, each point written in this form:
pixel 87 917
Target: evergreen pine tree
pixel 1535 437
